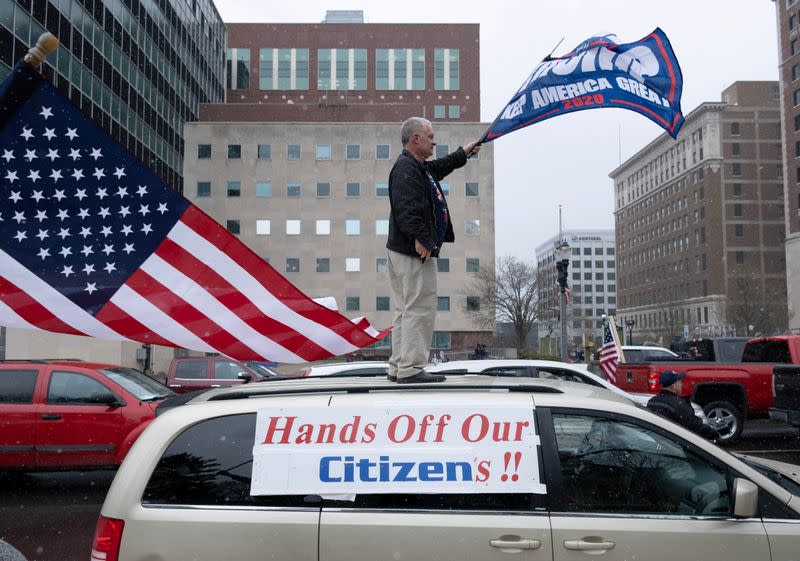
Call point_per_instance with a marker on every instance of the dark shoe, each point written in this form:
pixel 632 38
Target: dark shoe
pixel 422 377
pixel 391 378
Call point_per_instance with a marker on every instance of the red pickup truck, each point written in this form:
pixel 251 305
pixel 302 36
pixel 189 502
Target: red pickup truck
pixel 728 392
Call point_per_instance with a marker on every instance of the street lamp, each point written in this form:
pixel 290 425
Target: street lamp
pixel 562 253
pixel 629 323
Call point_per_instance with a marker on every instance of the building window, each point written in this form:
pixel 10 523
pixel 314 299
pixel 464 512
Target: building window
pixel 792 22
pixel 587 263
pixel 793 46
pixel 293 152
pixel 237 69
pixel 341 69
pixel 612 276
pixel 234 151
pixel 382 303
pixel 233 227
pixel 795 72
pixel 736 169
pixel 735 129
pixel 353 303
pixel 263 227
pixel 382 152
pixel 234 188
pixel 293 190
pixel 323 151
pixel 292 227
pixel 443 265
pixel 265 151
pixel 736 149
pixel 473 303
pixel 738 230
pixel 441 340
pixel 796 97
pixel 400 69
pixel 442 150
pixel 381 265
pixel 473 264
pixel 472 227
pixel 353 152
pixel 438 111
pixel 353 227
pixel 323 189
pixel 382 189
pixel 737 209
pixel 323 227
pixel 443 303
pixel 292 264
pixel 609 251
pixel 797 123
pixel 203 151
pixel 323 264
pixel 454 111
pixel 353 189
pixel 472 189
pixel 203 188
pixel 740 257
pixel 446 69
pixel 263 189
pixel 737 189
pixel 283 69
pixel 352 264
pixel 381 227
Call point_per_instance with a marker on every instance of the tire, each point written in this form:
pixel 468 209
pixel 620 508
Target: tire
pixel 731 420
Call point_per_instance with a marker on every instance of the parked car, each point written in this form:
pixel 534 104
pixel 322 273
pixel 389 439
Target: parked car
pixel 786 387
pixel 356 368
pixel 729 392
pixel 193 373
pixel 72 415
pixel 640 353
pixel 360 468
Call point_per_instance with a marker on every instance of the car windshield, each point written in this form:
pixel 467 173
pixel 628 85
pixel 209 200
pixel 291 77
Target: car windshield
pixel 791 485
pixel 137 383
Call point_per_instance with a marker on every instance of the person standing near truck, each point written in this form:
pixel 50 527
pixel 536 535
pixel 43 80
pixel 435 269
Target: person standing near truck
pixel 670 405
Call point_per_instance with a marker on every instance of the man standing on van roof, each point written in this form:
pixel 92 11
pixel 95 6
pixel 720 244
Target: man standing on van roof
pixel 419 223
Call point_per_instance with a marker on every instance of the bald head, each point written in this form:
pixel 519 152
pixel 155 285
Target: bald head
pixel 417 138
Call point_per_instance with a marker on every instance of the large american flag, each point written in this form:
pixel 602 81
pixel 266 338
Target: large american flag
pixel 92 243
pixel 609 354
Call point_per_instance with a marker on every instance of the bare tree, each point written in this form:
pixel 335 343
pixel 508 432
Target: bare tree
pixel 670 324
pixel 508 293
pixel 753 310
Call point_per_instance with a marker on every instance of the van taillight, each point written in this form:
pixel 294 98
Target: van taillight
pixel 107 538
pixel 652 381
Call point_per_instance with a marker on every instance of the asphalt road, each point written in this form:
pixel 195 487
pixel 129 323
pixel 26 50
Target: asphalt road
pixel 51 516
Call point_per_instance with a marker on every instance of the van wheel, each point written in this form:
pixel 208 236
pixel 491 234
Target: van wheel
pixel 726 418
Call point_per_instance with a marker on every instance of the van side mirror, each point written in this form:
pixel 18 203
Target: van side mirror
pixel 246 376
pixel 745 498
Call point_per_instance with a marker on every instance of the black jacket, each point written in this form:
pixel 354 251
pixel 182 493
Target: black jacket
pixel 679 409
pixel 412 216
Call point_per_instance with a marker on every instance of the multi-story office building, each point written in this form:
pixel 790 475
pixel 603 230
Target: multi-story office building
pixel 297 162
pixel 788 18
pixel 592 283
pixel 700 222
pixel 139 69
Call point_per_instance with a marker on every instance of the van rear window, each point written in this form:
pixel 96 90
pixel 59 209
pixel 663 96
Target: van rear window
pixel 776 351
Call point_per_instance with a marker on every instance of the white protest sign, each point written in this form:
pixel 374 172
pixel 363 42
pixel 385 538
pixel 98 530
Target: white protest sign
pixel 411 448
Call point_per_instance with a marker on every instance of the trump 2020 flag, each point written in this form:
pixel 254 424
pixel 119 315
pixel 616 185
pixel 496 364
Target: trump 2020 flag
pixel 643 76
pixel 92 243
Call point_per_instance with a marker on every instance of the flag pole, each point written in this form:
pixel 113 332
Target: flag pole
pixel 486 132
pixel 46 44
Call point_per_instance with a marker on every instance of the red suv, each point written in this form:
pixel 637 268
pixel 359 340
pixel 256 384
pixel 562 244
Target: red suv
pixel 62 414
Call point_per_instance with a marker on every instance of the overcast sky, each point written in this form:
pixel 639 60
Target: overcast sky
pixel 566 160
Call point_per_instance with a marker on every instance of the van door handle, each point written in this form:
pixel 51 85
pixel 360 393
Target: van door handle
pixel 511 543
pixel 51 417
pixel 591 544
pixel 174 385
pixel 216 385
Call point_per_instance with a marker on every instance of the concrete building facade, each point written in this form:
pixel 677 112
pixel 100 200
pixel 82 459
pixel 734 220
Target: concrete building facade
pixel 592 283
pixel 296 163
pixel 700 222
pixel 788 21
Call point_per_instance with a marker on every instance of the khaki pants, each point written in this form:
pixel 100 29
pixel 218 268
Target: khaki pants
pixel 414 296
